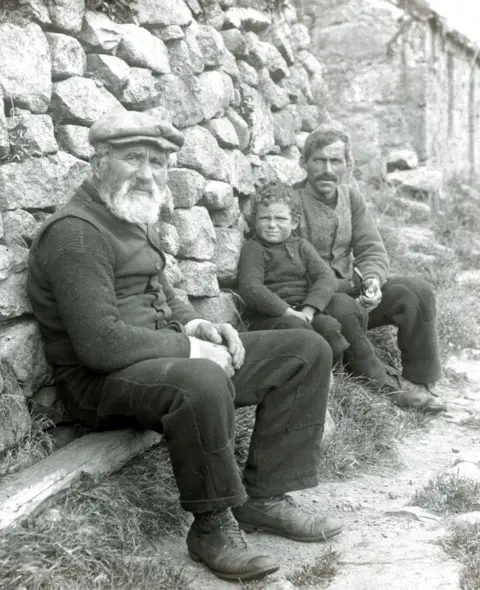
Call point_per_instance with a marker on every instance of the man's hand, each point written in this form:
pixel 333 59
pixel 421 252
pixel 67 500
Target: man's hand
pixel 372 294
pixel 298 314
pixel 223 334
pixel 309 311
pixel 218 353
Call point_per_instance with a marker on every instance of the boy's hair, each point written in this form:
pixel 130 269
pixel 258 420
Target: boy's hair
pixel 277 192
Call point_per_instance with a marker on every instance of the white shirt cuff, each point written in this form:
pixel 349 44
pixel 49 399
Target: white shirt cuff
pixel 194 347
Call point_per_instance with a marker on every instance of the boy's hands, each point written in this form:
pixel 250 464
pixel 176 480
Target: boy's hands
pixel 299 314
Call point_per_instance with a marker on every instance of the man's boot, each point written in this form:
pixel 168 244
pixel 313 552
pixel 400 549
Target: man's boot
pixel 406 394
pixel 216 540
pixel 280 515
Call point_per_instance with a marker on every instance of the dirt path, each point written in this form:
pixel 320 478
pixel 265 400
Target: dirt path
pixel 380 547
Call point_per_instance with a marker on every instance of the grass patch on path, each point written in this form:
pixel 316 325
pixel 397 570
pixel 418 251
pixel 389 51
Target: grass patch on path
pixel 448 494
pixel 463 544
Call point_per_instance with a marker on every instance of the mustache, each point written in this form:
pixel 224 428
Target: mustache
pixel 331 177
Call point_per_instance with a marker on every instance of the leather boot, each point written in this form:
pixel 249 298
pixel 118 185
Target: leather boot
pixel 216 540
pixel 280 515
pixel 405 394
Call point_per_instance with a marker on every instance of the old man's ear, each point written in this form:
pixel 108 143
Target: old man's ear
pixel 97 162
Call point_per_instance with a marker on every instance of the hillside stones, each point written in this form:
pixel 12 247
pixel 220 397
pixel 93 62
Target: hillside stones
pixel 40 182
pixel 13 259
pixel 260 121
pixel 211 45
pixel 99 33
pixel 235 42
pixel 179 96
pixel 112 71
pixel 74 140
pixel 36 132
pixel 66 15
pixel 226 217
pixel 202 153
pixel 224 132
pixel 246 18
pixel 299 37
pixel 227 255
pixel 196 233
pixel 68 56
pixel 168 236
pixel 14 417
pixel 162 13
pixel 215 93
pixel 239 172
pixel 217 195
pixel 19 223
pixel 25 67
pixel 172 270
pixel 199 278
pixel 221 308
pixel 140 48
pixel 14 301
pixel 240 126
pixel 285 126
pixel 247 73
pixel 141 91
pixel 186 186
pixel 402 160
pixel 80 100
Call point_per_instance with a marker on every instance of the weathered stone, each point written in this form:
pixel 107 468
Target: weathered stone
pixel 202 153
pixel 247 73
pixel 468 518
pixel 223 131
pixel 235 42
pixel 179 97
pixel 141 91
pixel 19 223
pixel 421 183
pixel 166 209
pixel 40 182
pixel 46 403
pixel 465 470
pixel 4 137
pixel 66 15
pixel 140 48
pixel 240 172
pixel 172 270
pixel 310 115
pixel 162 114
pixel 278 35
pixel 199 278
pixel 186 186
pixel 163 13
pixel 227 217
pixel 246 18
pixel 74 140
pixel 14 300
pixel 21 346
pixel 112 71
pixel 213 15
pixel 169 33
pixel 229 65
pixel 80 100
pixel 13 259
pixel 285 126
pixel 283 169
pixel 402 160
pixel 35 10
pixel 196 233
pixel 211 45
pixel 471 455
pixel 240 126
pixel 36 133
pixel 215 93
pixel 261 54
pixel 179 56
pixel 221 308
pixel 227 255
pixel 259 119
pixel 299 37
pixel 276 96
pixel 99 33
pixel 310 63
pixel 298 84
pixel 25 67
pixel 1 227
pixel 217 195
pixel 68 56
pixel 168 236
pixel 14 416
pixel 413 513
pixel 197 62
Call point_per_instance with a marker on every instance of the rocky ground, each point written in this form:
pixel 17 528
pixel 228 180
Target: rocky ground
pixel 386 543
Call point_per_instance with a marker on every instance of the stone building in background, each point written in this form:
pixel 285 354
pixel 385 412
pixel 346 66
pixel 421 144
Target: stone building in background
pixel 399 77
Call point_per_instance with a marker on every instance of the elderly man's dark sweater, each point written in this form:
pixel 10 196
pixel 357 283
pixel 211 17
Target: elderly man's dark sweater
pixel 83 251
pixel 273 277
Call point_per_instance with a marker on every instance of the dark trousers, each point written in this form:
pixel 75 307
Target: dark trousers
pixel 192 402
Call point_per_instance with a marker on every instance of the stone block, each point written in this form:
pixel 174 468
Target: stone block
pixel 422 183
pixel 279 36
pixel 99 33
pixel 19 223
pixel 186 186
pixel 259 119
pixel 172 270
pixel 241 128
pixel 299 37
pixel 25 67
pixel 227 255
pixel 168 33
pixel 310 116
pixel 223 131
pixel 162 114
pixel 211 45
pixel 353 41
pixel 213 15
pixel 74 140
pixel 201 152
pixel 21 346
pixel 265 55
pixel 46 403
pixel 298 84
pixel 247 73
pixel 68 56
pixel 80 100
pixel 66 15
pixel 285 169
pixel 197 63
pixel 14 301
pixel 285 126
pixel 141 91
pixel 169 240
pixel 239 172
pixel 405 159
pixel 4 137
pixel 164 13
pixel 40 183
pixel 246 18
pixel 13 259
pixel 215 93
pixel 221 308
pixel 35 10
pixel 112 71
pixel 35 132
pixel 179 56
pixel 15 419
pixel 199 278
pixel 140 48
pixel 195 232
pixel 465 470
pixel 276 96
pixel 235 42
pixel 227 217
pixel 179 97
pixel 217 195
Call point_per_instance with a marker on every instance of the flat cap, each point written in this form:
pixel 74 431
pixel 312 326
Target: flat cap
pixel 135 127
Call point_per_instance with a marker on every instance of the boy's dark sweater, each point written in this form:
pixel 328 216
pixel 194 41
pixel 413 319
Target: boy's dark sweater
pixel 273 277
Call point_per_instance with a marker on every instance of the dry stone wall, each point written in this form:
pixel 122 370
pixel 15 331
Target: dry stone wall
pixel 241 84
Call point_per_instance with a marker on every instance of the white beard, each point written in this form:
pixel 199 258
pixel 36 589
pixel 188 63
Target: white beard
pixel 133 206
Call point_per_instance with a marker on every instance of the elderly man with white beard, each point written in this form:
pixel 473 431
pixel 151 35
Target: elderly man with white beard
pixel 126 351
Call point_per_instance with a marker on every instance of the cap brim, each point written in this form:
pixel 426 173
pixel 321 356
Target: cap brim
pixel 159 142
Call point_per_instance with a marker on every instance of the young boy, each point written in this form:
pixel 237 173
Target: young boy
pixel 282 280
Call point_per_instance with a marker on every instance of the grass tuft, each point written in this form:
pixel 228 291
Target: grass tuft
pixel 318 575
pixel 448 494
pixel 463 544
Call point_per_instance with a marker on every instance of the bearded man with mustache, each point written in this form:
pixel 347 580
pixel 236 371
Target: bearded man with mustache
pixel 126 351
pixel 337 222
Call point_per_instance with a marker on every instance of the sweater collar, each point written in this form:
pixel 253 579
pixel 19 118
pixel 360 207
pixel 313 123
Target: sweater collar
pixel 291 238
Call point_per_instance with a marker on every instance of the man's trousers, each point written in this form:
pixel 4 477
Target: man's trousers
pixel 192 402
